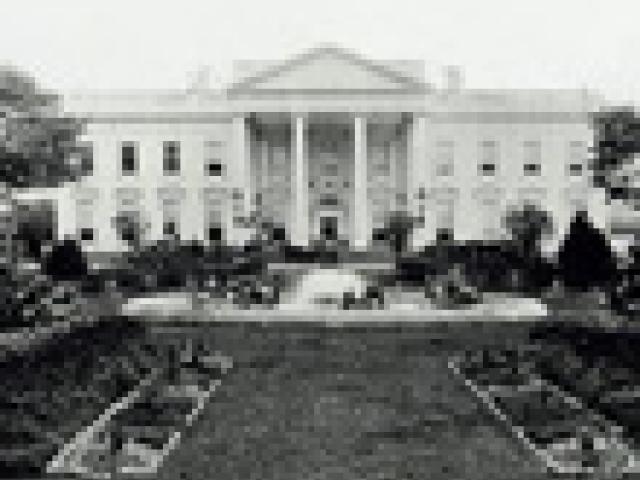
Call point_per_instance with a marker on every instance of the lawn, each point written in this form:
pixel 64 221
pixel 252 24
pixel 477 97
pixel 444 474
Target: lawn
pixel 368 401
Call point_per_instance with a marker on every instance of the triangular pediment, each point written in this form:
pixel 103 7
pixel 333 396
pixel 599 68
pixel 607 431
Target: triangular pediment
pixel 328 69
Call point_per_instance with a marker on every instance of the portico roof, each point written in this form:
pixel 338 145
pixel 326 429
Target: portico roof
pixel 328 69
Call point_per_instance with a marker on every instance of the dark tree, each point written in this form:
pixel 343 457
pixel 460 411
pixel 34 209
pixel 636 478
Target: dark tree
pixel 130 228
pixel 66 261
pixel 585 259
pixel 527 226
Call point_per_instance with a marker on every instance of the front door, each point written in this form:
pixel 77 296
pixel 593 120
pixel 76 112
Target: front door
pixel 329 228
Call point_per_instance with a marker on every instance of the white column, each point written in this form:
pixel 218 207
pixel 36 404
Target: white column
pixel 395 174
pixel 243 171
pixel 301 207
pixel 360 214
pixel 243 161
pixel 416 171
pixel 265 173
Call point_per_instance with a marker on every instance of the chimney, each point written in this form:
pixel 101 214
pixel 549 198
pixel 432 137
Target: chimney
pixel 453 78
pixel 203 79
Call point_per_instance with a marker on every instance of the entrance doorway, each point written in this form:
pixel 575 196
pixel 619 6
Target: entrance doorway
pixel 329 228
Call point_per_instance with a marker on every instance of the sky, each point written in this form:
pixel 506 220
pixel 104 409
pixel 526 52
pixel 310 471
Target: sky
pixel 95 44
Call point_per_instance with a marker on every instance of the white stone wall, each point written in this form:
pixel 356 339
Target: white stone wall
pixel 482 200
pixel 437 124
pixel 477 202
pixel 153 185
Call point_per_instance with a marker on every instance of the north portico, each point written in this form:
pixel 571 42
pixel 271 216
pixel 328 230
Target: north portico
pixel 327 143
pixel 333 120
pixel 315 171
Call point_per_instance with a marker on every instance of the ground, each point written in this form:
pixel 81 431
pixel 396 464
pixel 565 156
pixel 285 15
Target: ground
pixel 344 402
pixel 315 400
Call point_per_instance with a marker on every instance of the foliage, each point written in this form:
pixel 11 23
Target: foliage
pixel 528 225
pixel 268 236
pixel 130 228
pixel 585 259
pixel 616 143
pixel 396 231
pixel 38 148
pixel 38 143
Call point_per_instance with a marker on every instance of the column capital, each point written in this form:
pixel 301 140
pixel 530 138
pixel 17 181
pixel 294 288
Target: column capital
pixel 364 116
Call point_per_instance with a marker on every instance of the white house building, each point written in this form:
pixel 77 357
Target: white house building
pixel 328 143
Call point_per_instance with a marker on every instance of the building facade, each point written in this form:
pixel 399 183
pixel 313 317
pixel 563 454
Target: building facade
pixel 328 144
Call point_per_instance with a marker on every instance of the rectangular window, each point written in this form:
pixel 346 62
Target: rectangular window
pixel 444 170
pixel 488 157
pixel 575 169
pixel 214 234
pixel 129 158
pixel 578 152
pixel 237 194
pixel 213 154
pixel 214 168
pixel 488 169
pixel 329 200
pixel 86 158
pixel 171 157
pixel 86 234
pixel 128 234
pixel 532 169
pixel 169 228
